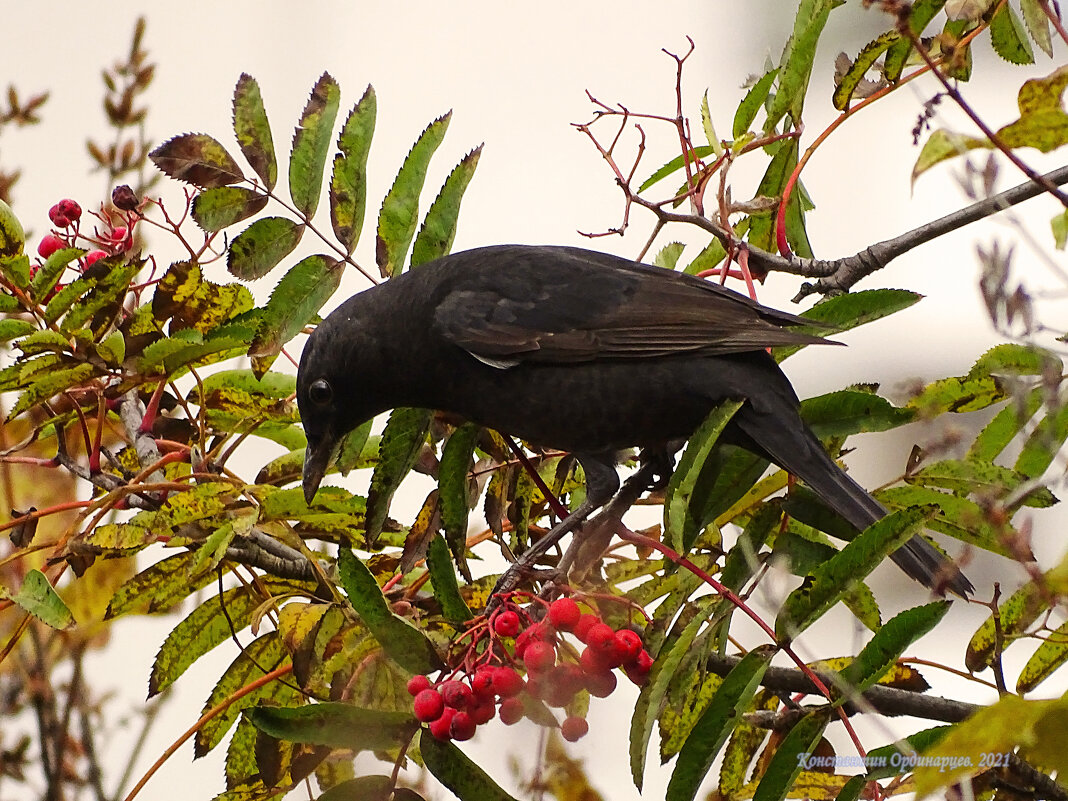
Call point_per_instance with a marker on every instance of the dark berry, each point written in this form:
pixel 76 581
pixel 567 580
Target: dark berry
pixel 483 712
pixel 564 614
pixel 441 728
pixel 416 684
pixel 539 656
pixel 601 685
pixel 506 624
pixel 585 623
pixel 124 198
pixel 573 729
pixel 507 682
pixel 629 643
pixel 462 726
pixel 49 245
pixel 511 711
pixel 428 706
pixel 456 694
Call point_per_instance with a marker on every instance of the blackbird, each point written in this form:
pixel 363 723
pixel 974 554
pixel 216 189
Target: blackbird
pixel 580 351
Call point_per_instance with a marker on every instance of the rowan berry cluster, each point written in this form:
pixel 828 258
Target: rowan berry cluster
pixel 511 642
pixel 114 235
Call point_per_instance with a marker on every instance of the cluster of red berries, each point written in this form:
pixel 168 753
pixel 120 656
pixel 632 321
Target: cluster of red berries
pixel 66 216
pixel 556 672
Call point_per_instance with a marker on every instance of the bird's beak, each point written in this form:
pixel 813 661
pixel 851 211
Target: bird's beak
pixel 317 459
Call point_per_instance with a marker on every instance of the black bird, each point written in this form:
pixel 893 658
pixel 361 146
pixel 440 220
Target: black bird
pixel 581 351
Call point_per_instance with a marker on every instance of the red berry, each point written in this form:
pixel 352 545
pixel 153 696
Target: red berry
pixel 441 728
pixel 539 656
pixel 573 729
pixel 456 694
pixel 64 213
pixel 428 706
pixel 564 613
pixel 569 675
pixel 585 623
pixel 506 624
pixel 483 712
pixel 482 683
pixel 601 685
pixel 629 643
pixel 593 661
pixel 535 633
pixel 49 245
pixel 92 257
pixel 638 670
pixel 416 684
pixel 601 637
pixel 507 682
pixel 118 233
pixel 511 711
pixel 462 726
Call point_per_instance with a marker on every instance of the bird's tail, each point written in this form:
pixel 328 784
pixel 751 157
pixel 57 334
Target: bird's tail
pixel 797 450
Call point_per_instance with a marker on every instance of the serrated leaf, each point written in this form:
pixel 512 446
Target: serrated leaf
pixel 958 517
pixel 111 283
pixel 956 394
pixel 48 273
pixel 668 256
pixel 890 642
pixel 64 299
pixel 852 411
pixel 402 439
pixel 12 241
pixel 829 581
pixel 259 248
pixel 864 61
pixel 159 587
pixel 789 758
pixel 311 145
pixel 752 102
pixel 403 643
pixel 920 14
pixel 252 130
pixel 443 580
pixel 295 300
pixel 1043 444
pixel 1009 38
pixel 888 760
pixel 984 479
pixel 454 487
pixel 439 226
pixel 13 328
pixel 348 184
pixel 215 209
pixel 1037 25
pixel 854 309
pixel 1015 614
pixel 716 724
pixel 197 159
pixel 37 597
pixel 796 64
pixel 398 216
pixel 464 778
pixel 1003 428
pixel 336 725
pixel 191 302
pixel 55 382
pixel 675 165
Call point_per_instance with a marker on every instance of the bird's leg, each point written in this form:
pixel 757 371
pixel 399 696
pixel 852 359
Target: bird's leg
pixel 602 481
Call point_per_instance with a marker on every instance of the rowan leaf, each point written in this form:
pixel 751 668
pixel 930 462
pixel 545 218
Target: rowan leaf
pixel 311 145
pixel 259 248
pixel 215 209
pixel 348 183
pixel 252 130
pixel 197 159
pixel 439 226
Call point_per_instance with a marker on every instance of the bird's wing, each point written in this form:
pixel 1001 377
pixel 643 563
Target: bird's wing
pixel 586 306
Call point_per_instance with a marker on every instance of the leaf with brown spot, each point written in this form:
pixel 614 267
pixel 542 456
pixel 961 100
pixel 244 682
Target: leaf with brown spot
pixel 197 159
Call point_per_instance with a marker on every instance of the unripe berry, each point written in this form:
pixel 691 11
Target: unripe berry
pixel 506 624
pixel 49 245
pixel 456 694
pixel 585 623
pixel 441 727
pixel 564 613
pixel 539 656
pixel 462 726
pixel 416 684
pixel 428 706
pixel 573 729
pixel 511 711
pixel 507 682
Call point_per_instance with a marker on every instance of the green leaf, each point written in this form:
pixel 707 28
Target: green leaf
pixel 443 580
pixel 398 216
pixel 1015 614
pixel 864 61
pixel 39 598
pixel 15 268
pixel 336 725
pixel 796 64
pixel 1003 428
pixel 887 761
pixel 159 587
pixel 111 283
pixel 788 760
pixel 890 642
pixel 852 411
pixel 348 184
pixel 958 517
pixel 215 209
pixel 1009 38
pixel 829 582
pixel 984 479
pixel 921 13
pixel 439 226
pixel 295 300
pixel 197 159
pixel 464 778
pixel 454 489
pixel 369 788
pixel 402 642
pixel 234 400
pixel 259 248
pixel 402 440
pixel 13 328
pixel 252 130
pixel 311 145
pixel 1043 444
pixel 1050 655
pixel 716 725
pixel 751 103
pixel 762 226
pixel 48 273
pixel 681 525
pixel 12 241
pixel 676 164
pixel 1012 359
pixel 668 256
pixel 1037 25
pixel 51 384
pixel 957 395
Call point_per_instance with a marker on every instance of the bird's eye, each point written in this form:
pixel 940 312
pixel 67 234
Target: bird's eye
pixel 320 392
